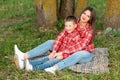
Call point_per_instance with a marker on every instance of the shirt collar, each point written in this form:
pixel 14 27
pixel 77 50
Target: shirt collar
pixel 87 26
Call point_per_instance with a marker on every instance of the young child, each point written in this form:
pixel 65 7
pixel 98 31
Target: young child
pixel 60 48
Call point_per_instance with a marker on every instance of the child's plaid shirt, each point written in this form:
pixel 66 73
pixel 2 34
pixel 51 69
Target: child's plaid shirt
pixel 79 39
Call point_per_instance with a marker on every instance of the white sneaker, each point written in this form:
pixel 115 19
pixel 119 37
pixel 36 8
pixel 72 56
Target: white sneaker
pixel 19 57
pixel 51 70
pixel 28 66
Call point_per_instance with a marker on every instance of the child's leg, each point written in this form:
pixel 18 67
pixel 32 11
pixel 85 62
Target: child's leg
pixel 39 61
pixel 41 49
pixel 46 64
pixel 29 64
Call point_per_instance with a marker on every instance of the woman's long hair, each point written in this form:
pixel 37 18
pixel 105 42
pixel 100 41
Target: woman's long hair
pixel 92 18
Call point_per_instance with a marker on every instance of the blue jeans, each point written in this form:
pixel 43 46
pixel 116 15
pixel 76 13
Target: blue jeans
pixel 42 63
pixel 77 57
pixel 41 49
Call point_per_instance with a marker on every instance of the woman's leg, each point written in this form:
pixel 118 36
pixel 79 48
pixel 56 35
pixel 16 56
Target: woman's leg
pixel 41 49
pixel 86 59
pixel 80 56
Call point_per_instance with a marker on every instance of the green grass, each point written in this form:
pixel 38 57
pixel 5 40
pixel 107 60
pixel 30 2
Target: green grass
pixel 17 27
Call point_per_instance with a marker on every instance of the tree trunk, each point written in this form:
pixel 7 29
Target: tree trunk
pixel 66 8
pixel 112 14
pixel 46 12
pixel 81 4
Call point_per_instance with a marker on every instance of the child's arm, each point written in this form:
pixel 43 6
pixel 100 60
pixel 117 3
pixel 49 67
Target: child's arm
pixel 58 41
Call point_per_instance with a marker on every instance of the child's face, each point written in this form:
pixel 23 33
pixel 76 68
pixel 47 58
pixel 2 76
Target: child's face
pixel 85 17
pixel 70 26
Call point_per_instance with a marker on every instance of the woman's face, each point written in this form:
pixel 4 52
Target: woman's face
pixel 85 16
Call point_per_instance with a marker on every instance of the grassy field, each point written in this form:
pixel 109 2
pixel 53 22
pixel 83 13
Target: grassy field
pixel 17 27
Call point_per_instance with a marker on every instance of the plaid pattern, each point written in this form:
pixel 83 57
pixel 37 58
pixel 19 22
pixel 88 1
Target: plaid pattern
pixel 79 39
pixel 97 65
pixel 64 40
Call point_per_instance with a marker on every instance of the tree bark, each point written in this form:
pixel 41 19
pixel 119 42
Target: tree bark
pixel 66 8
pixel 81 4
pixel 112 14
pixel 46 12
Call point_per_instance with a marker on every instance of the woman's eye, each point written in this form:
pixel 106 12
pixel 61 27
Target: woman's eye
pixel 84 13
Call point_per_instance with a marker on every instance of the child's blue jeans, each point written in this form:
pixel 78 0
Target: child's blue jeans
pixel 42 63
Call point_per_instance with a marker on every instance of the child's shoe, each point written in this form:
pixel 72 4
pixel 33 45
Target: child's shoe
pixel 19 57
pixel 28 66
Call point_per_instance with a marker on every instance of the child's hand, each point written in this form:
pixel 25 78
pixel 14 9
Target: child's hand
pixel 52 55
pixel 58 55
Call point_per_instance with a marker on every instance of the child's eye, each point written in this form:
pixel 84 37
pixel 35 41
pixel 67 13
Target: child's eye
pixel 88 16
